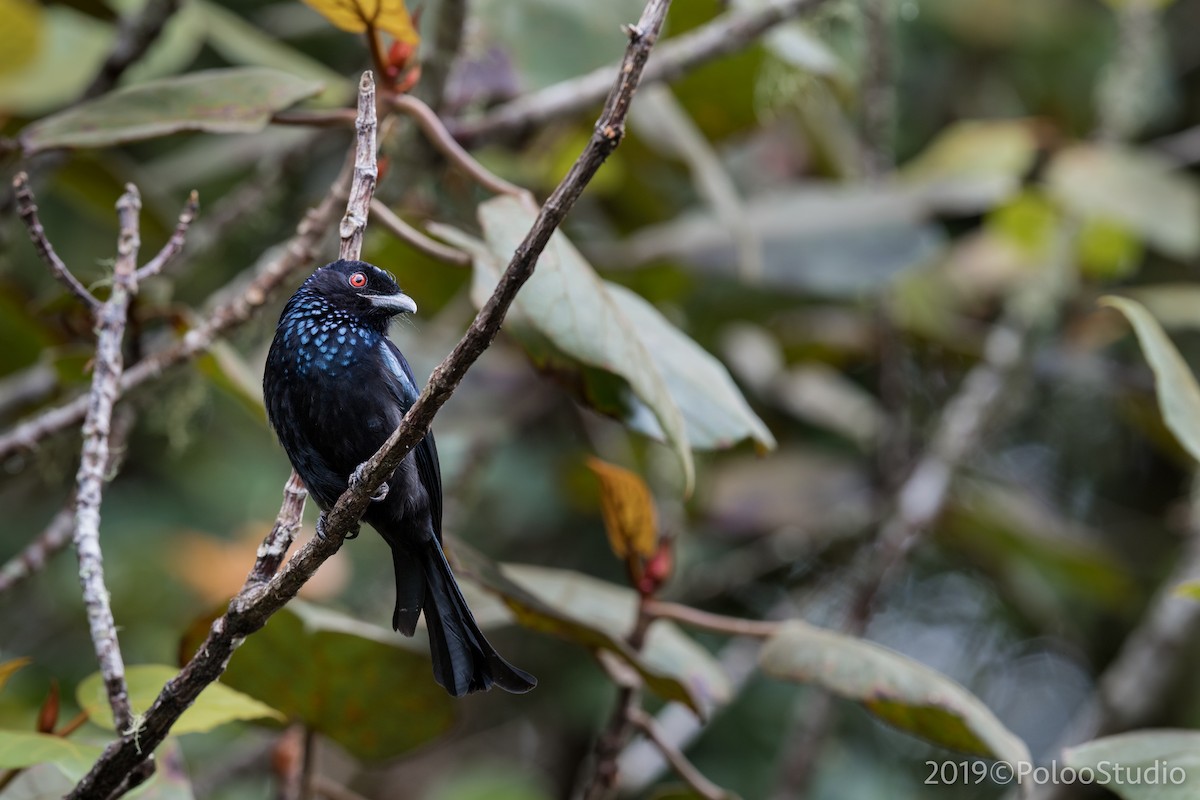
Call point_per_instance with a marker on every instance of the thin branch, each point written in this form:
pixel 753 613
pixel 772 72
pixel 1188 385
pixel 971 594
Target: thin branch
pixel 419 241
pixel 97 427
pixel 27 209
pixel 366 171
pixel 58 533
pixel 878 91
pixel 440 51
pixel 135 34
pixel 440 137
pixel 276 543
pixel 175 244
pixel 727 34
pixel 609 743
pixel 255 603
pixel 924 493
pixel 719 623
pixel 685 769
pixel 322 118
pixel 297 253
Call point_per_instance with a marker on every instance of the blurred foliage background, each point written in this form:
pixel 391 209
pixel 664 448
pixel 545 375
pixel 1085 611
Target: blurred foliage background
pixel 844 212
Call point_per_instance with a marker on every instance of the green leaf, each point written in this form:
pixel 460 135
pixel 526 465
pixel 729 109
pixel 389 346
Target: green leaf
pixel 20 749
pixel 894 688
pixel 598 616
pixel 21 34
pixel 1143 765
pixel 244 44
pixel 239 100
pixel 1178 394
pixel 1174 305
pixel 366 688
pixel 1135 189
pixel 73 47
pixel 566 302
pixel 973 165
pixel 715 412
pixel 216 705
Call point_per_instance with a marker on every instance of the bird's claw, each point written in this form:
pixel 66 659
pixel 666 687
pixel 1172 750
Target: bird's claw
pixel 322 535
pixel 380 493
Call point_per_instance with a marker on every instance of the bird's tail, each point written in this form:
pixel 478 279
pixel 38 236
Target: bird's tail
pixel 463 660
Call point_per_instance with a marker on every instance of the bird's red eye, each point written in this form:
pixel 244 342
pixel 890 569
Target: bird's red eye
pixel 358 280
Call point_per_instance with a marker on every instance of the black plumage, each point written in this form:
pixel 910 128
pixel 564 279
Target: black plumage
pixel 335 387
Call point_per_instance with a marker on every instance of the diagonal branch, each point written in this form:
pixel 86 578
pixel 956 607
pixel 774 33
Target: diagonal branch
pixel 175 243
pixel 723 36
pixel 254 605
pixel 28 211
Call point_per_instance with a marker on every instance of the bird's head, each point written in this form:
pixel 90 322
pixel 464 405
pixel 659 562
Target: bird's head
pixel 360 289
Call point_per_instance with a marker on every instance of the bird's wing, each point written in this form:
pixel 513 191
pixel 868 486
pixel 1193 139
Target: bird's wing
pixel 425 453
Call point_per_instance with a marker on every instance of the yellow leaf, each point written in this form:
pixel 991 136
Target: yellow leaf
pixel 7 668
pixel 20 35
pixel 628 510
pixel 356 16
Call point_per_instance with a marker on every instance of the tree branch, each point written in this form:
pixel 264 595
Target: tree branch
pixel 97 426
pixel 685 769
pixel 27 209
pixel 441 138
pixel 175 244
pixel 366 171
pixel 417 240
pixel 254 605
pixel 297 253
pixel 727 34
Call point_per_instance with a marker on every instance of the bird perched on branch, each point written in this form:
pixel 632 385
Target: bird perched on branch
pixel 335 388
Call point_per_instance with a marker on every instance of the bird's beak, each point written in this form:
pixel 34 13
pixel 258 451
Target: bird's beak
pixel 398 303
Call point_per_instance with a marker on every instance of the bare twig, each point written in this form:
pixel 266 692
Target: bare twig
pixel 316 118
pixel 297 252
pixel 719 623
pixel 366 171
pixel 923 495
pixel 685 769
pixel 175 243
pixel 419 241
pixel 97 427
pixel 609 743
pixel 254 605
pixel 440 50
pixel 441 138
pixel 878 92
pixel 135 34
pixel 727 34
pixel 283 533
pixel 27 209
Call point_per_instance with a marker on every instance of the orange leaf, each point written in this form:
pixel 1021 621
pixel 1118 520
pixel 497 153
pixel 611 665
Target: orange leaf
pixel 389 16
pixel 628 510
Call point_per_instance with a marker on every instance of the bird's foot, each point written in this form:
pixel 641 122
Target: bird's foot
pixel 322 535
pixel 380 493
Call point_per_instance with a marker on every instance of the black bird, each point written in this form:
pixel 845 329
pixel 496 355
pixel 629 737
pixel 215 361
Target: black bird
pixel 335 387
